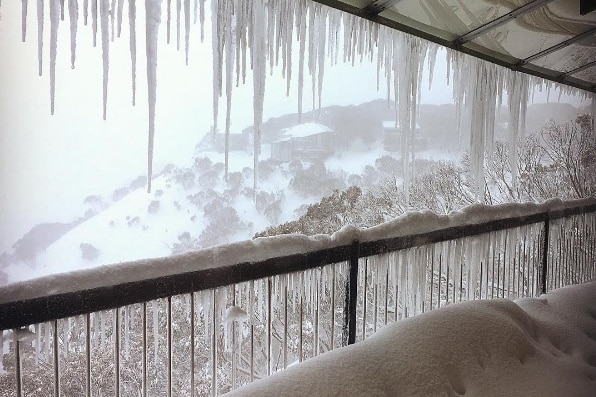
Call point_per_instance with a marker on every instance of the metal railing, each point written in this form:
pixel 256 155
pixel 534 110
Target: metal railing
pixel 205 332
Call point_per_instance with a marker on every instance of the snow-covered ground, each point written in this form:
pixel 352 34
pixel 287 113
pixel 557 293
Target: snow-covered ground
pixel 543 346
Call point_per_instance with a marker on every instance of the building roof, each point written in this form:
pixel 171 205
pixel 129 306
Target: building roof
pixel 304 130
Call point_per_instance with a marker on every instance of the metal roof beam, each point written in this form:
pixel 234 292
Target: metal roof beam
pixel 378 6
pixel 557 47
pixel 472 34
pixel 579 69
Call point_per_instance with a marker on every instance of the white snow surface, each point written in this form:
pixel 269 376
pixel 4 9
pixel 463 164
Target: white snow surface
pixel 305 130
pixel 263 248
pixel 542 346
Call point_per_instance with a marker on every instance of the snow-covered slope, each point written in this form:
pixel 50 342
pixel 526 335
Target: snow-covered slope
pixel 533 347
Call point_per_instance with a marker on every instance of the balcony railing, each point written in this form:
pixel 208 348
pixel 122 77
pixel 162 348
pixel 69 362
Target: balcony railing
pixel 208 322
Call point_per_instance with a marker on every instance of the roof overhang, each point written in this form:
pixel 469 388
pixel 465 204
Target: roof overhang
pixel 551 39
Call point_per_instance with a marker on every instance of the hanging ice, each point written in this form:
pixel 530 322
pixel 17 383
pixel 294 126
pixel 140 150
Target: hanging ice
pixel 153 17
pixel 85 11
pixel 178 9
pixel 94 20
pixel 186 28
pixel 119 16
pixel 40 18
pixel 132 15
pixel 73 13
pixel 54 15
pixel 105 50
pixel 23 20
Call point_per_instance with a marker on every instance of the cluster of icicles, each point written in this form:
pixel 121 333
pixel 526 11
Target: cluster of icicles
pixel 253 35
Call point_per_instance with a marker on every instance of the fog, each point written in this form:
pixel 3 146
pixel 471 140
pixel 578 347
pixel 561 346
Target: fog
pixel 49 164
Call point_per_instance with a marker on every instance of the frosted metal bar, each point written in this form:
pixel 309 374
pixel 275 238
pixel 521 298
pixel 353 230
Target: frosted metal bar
pixel 144 324
pixel 214 346
pixel 56 362
pixel 192 344
pixel 495 23
pixel 169 335
pixel 364 298
pixel 268 285
pixel 117 349
pixel 333 269
pixel 17 354
pixel 88 355
pixel 285 342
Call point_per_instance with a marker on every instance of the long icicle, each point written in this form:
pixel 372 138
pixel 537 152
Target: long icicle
pixel 186 28
pixel 132 16
pixel 153 18
pixel 73 13
pixel 40 18
pixel 94 21
pixel 54 21
pixel 23 20
pixel 105 50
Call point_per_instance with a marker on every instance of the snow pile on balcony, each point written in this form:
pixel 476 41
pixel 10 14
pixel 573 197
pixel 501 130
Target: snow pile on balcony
pixel 533 347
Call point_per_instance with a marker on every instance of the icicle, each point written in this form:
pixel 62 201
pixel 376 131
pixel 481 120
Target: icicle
pixel 62 10
pixel 186 28
pixel 229 83
pixel 169 15
pixel 132 16
pixel 73 13
pixel 105 49
pixel 153 16
pixel 119 16
pixel 178 9
pixel 202 18
pixel 65 337
pixel 195 11
pixel 85 11
pixel 54 15
pixel 23 20
pixel 40 18
pixel 217 55
pixel 94 21
pixel 112 14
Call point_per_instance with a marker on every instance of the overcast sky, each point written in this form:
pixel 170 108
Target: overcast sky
pixel 49 164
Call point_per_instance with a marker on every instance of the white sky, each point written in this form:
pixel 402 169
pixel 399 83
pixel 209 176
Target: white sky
pixel 49 164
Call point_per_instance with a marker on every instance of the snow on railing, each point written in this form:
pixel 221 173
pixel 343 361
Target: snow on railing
pixel 214 324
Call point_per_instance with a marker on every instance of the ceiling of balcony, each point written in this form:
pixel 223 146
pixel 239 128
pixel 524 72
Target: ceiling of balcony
pixel 553 39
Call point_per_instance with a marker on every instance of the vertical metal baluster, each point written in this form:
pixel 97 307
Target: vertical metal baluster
pixel 88 355
pixel 17 350
pixel 386 291
pixel 56 362
pixel 234 363
pixel 300 327
pixel 333 269
pixel 376 296
pixel 269 320
pixel 285 342
pixel 252 329
pixel 364 298
pixel 214 347
pixel 169 335
pixel 318 284
pixel 192 344
pixel 144 324
pixel 440 276
pixel 117 349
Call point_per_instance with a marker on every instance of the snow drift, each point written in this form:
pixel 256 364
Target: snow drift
pixel 531 347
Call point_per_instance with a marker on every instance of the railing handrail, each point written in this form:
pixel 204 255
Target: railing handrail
pixel 21 305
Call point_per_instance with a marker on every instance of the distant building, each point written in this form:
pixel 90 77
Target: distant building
pixel 305 142
pixel 393 140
